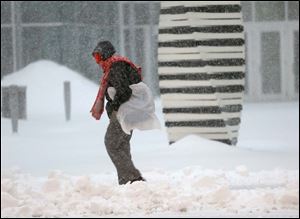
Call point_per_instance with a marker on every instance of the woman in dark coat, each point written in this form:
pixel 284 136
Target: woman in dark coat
pixel 119 73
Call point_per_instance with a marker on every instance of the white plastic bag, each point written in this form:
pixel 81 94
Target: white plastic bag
pixel 139 111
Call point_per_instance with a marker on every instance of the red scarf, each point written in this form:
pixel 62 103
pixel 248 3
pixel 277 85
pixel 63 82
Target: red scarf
pixel 106 65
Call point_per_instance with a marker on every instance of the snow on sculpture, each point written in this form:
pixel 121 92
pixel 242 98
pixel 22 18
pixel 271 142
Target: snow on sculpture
pixel 201 59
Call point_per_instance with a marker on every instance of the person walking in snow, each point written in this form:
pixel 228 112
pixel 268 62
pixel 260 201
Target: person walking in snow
pixel 129 105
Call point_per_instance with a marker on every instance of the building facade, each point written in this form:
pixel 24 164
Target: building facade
pixel 66 32
pixel 272 43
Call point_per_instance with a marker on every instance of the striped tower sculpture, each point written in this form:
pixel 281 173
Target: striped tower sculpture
pixel 201 59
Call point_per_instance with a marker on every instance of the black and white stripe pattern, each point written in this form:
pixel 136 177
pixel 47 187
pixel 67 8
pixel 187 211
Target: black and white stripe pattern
pixel 201 59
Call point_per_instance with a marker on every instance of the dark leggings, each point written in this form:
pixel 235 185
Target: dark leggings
pixel 117 145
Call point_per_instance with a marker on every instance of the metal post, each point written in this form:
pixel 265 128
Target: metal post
pixel 67 99
pixel 14 107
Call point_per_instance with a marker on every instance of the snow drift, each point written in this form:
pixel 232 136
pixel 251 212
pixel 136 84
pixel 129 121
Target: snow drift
pixel 44 81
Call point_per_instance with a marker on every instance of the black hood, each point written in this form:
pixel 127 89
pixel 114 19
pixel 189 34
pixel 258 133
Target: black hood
pixel 105 48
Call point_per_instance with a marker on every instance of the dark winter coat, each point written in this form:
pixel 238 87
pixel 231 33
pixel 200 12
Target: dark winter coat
pixel 121 76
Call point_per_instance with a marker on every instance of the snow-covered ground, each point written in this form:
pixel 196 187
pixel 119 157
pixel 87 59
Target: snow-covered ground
pixel 54 168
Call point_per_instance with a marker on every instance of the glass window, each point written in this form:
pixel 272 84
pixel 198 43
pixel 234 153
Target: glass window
pixel 293 10
pixel 155 12
pixel 6 51
pixel 126 13
pixel 139 46
pixel 92 13
pixel 128 47
pixel 142 13
pixel 5 12
pixel 90 37
pixel 270 62
pixel 247 10
pixel 102 12
pixel 70 48
pixel 112 13
pixel 69 11
pixel 296 60
pixel 41 12
pixel 269 11
pixel 42 43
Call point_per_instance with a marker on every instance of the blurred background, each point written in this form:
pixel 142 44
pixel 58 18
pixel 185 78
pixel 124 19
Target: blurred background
pixel 66 32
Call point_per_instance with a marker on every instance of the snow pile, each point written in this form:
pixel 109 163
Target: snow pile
pixel 44 81
pixel 191 189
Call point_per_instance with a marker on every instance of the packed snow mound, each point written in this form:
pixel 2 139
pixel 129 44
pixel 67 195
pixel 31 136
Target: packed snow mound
pixel 44 81
pixel 191 189
pixel 192 142
pixel 196 150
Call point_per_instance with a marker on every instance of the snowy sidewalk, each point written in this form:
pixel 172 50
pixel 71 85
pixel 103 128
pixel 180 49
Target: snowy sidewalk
pixel 191 192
